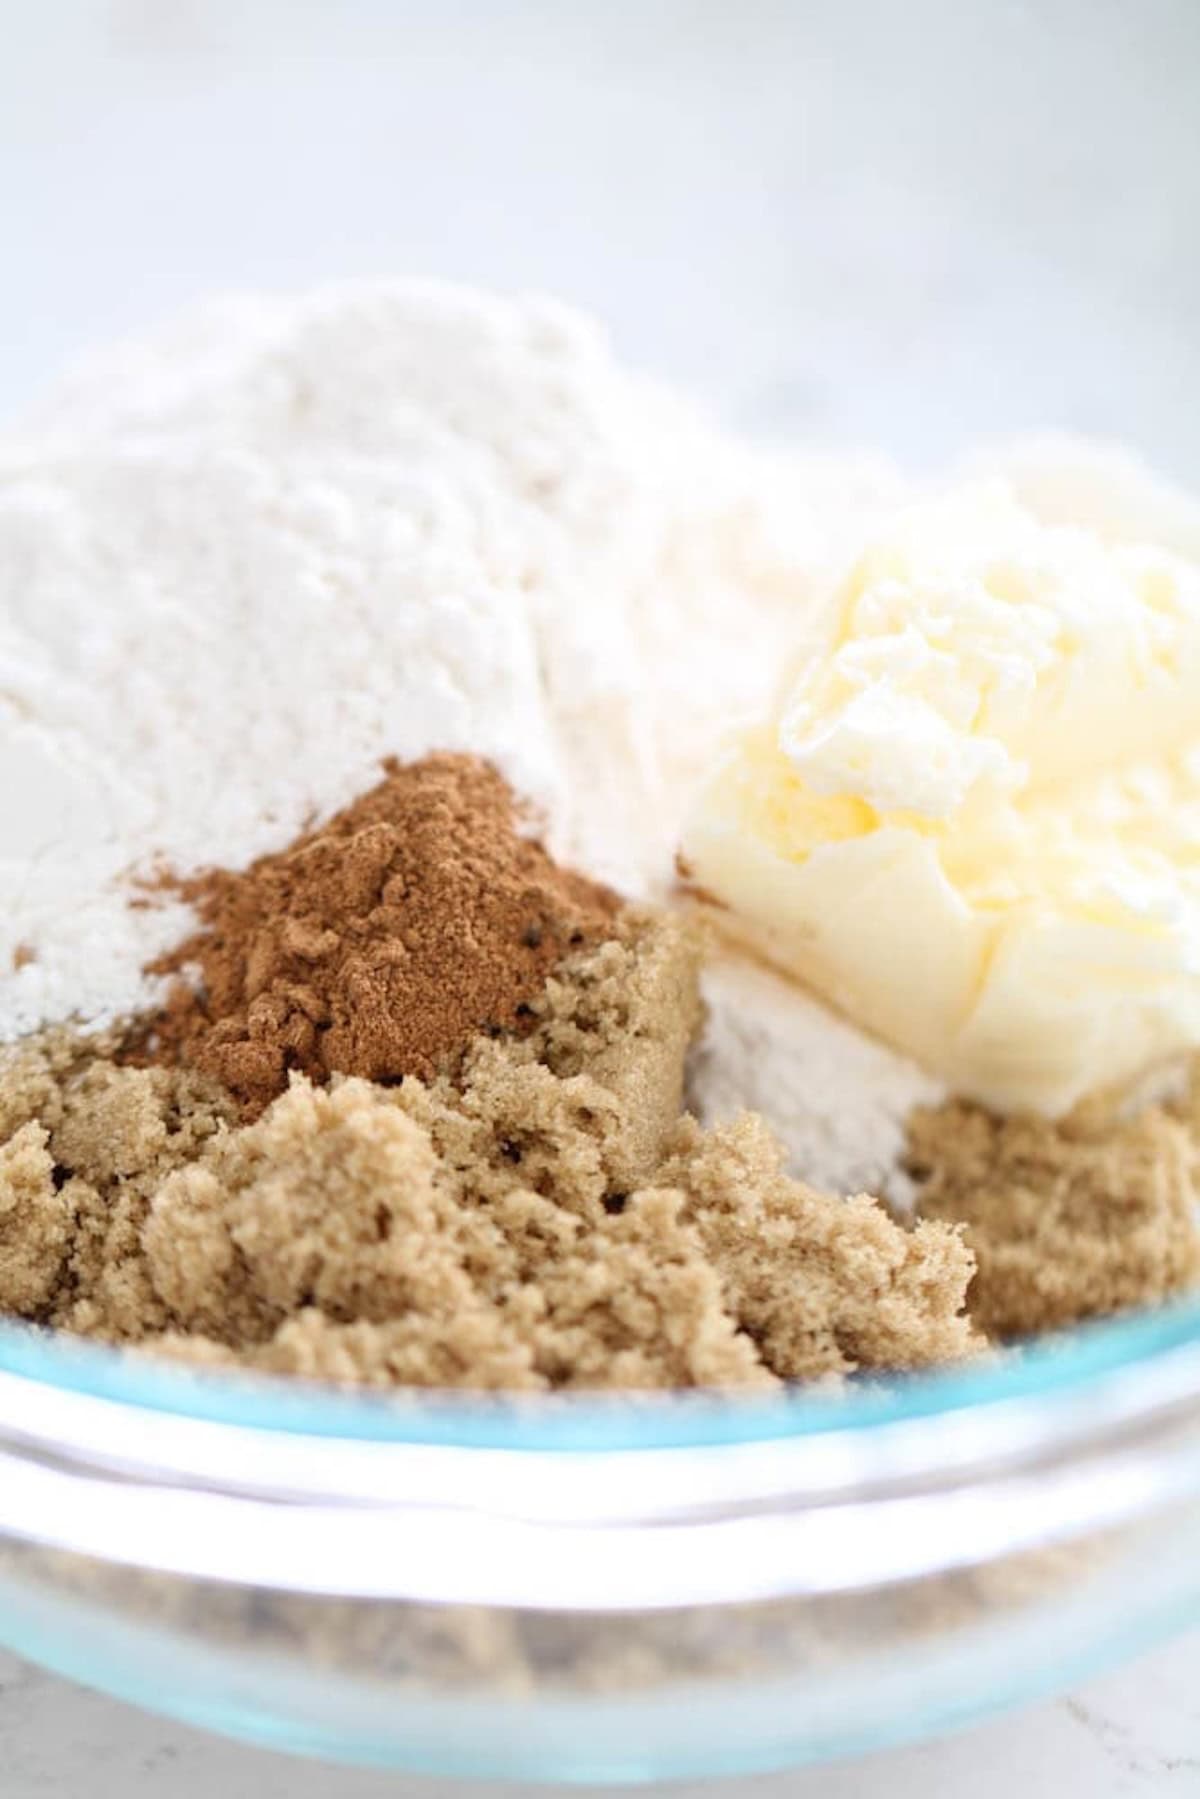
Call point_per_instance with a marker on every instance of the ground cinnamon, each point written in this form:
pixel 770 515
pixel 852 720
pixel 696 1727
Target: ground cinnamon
pixel 377 945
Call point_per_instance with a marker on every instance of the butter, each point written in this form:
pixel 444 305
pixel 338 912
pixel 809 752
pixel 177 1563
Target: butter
pixel 971 820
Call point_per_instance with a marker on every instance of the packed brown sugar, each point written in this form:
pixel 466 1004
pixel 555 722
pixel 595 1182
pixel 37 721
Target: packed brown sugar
pixel 349 1150
pixel 531 1210
pixel 519 1201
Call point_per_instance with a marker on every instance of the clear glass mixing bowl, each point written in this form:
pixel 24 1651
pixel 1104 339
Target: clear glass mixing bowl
pixel 599 1590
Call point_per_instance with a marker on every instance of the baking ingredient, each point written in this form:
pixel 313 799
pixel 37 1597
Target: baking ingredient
pixel 321 1059
pixel 837 1098
pixel 1103 487
pixel 1069 1220
pixel 244 562
pixel 971 820
pixel 543 1220
pixel 378 944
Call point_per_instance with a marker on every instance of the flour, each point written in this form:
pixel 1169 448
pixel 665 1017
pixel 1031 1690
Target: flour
pixel 242 563
pixel 838 1099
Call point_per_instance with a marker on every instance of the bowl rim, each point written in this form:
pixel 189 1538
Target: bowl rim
pixel 1063 1367
pixel 601 1510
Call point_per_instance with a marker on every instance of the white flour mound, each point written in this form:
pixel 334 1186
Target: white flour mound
pixel 241 564
pixel 838 1099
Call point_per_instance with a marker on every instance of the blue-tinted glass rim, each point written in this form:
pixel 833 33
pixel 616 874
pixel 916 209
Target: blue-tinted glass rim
pixel 1057 1365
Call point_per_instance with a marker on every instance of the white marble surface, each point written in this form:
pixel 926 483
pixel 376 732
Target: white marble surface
pixel 1132 1735
pixel 910 225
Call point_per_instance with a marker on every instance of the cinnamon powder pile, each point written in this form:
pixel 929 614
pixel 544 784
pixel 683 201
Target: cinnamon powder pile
pixel 379 944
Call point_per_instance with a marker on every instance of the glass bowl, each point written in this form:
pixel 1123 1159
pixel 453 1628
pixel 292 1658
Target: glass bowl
pixel 601 1590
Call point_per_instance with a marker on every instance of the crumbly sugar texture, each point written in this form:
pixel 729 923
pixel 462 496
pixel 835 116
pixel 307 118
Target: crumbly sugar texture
pixel 1074 1219
pixel 542 1218
pixel 244 562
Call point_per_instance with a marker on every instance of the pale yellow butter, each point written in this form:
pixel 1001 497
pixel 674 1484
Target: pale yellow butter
pixel 972 820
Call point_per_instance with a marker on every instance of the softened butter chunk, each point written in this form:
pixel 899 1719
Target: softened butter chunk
pixel 972 819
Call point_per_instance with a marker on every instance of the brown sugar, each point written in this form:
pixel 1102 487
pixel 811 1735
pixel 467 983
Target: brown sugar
pixel 83 1147
pixel 1068 1220
pixel 412 1115
pixel 377 945
pixel 535 1216
pixel 820 1283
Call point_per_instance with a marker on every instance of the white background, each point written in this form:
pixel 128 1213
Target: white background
pixel 908 223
